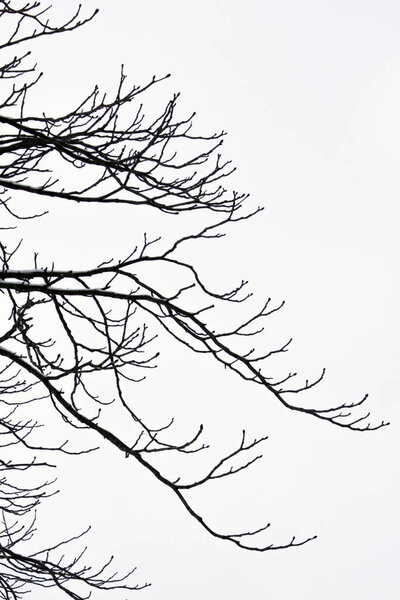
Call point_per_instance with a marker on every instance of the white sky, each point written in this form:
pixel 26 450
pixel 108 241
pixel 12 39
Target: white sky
pixel 309 93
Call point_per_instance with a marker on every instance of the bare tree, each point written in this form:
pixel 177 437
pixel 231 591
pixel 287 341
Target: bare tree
pixel 67 328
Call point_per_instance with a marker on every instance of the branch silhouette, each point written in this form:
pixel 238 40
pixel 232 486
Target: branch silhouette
pixel 65 329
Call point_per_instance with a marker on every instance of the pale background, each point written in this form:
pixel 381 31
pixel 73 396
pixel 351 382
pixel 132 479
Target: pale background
pixel 309 93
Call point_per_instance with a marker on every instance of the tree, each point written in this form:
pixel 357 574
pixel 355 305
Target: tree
pixel 76 341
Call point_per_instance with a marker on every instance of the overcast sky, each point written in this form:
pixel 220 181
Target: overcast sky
pixel 309 93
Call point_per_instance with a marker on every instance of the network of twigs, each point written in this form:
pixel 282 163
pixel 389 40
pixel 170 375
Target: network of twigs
pixel 104 319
